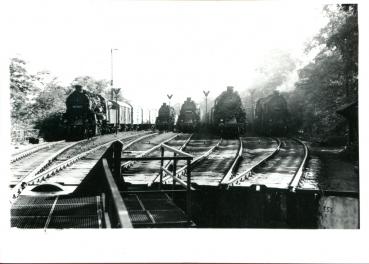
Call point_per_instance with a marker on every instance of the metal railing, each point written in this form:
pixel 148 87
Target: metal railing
pixel 177 155
pixel 183 170
pixel 115 210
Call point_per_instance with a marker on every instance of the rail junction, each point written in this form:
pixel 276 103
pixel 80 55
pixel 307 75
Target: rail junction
pixel 145 179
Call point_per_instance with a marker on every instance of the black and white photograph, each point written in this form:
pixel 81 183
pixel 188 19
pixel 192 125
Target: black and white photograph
pixel 156 118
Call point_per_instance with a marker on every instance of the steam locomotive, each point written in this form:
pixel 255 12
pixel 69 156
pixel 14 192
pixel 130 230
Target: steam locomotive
pixel 90 114
pixel 189 117
pixel 271 115
pixel 166 118
pixel 228 116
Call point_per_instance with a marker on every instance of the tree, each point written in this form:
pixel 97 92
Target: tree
pixel 331 79
pixel 51 99
pixel 341 35
pixel 92 85
pixel 34 98
pixel 21 87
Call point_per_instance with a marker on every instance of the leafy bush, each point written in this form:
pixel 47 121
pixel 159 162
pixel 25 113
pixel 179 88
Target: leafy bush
pixel 52 127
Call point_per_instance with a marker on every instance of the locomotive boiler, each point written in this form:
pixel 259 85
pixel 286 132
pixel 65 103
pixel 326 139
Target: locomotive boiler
pixel 271 115
pixel 228 116
pixel 189 117
pixel 89 114
pixel 166 118
pixel 85 115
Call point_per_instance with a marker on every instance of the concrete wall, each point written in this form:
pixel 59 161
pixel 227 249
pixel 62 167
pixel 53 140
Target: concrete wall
pixel 338 212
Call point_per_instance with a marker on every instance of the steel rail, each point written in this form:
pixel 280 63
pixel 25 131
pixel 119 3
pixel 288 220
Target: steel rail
pixel 136 140
pixel 247 173
pixel 17 189
pixel 170 162
pixel 37 175
pixel 52 171
pixel 183 170
pixel 129 164
pixel 181 182
pixel 30 151
pixel 26 153
pixel 298 174
pixel 231 170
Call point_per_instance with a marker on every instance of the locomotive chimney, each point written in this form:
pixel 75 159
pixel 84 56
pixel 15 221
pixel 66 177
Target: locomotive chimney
pixel 230 89
pixel 188 99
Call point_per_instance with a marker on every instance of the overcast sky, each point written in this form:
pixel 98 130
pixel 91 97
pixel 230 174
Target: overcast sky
pixel 165 47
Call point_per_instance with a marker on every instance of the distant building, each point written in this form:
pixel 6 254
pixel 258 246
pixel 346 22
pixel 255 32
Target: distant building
pixel 350 112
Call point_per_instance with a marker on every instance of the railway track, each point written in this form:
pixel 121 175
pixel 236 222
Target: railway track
pixel 144 172
pixel 32 162
pixel 200 148
pixel 215 166
pixel 71 176
pixel 254 151
pixel 213 159
pixel 18 155
pixel 247 162
pixel 48 162
pixel 280 167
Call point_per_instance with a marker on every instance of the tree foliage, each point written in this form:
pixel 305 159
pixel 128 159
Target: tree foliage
pixel 38 100
pixel 325 84
pixel 331 79
pixel 21 85
pixel 92 85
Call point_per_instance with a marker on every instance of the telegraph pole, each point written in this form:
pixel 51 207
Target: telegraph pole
pixel 206 105
pixel 116 92
pixel 112 73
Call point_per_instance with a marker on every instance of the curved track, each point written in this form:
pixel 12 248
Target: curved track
pixel 215 167
pixel 30 149
pixel 34 162
pixel 73 175
pixel 200 148
pixel 254 151
pixel 278 170
pixel 144 172
pixel 48 160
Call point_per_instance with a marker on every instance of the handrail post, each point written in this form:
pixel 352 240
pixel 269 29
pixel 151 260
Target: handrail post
pixel 188 202
pixel 117 148
pixel 174 173
pixel 161 167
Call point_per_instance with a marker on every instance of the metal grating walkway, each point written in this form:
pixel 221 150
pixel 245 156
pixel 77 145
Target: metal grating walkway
pixel 154 209
pixel 56 212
